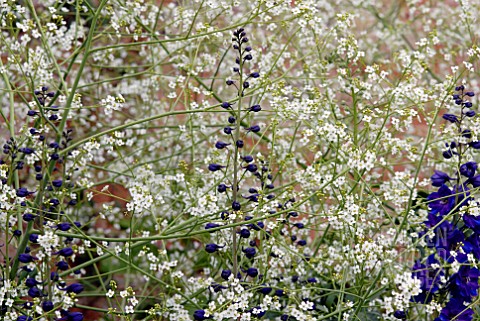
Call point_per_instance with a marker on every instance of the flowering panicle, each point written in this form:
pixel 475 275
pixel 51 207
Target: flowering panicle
pixel 449 275
pixel 43 192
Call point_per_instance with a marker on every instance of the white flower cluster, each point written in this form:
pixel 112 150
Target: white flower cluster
pixel 112 103
pixel 406 288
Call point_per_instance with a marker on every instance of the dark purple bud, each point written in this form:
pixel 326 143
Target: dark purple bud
pixel 399 314
pixel 312 280
pixel 246 84
pixel 221 188
pixel 24 317
pixel 252 272
pixel 460 88
pixel 265 290
pixel 236 206
pixel 470 93
pixel 62 265
pixel 33 238
pixel 252 168
pixel 65 252
pixel 38 177
pixel 28 217
pixel 467 133
pixel 226 105
pixel 19 165
pixel 224 215
pixel 248 48
pixel 23 192
pixel 57 183
pixel 247 158
pixel 226 274
pixel 35 292
pixel 293 214
pixel 54 145
pixel 44 88
pixel 199 315
pixel 253 129
pixel 75 288
pixel 231 120
pixel 26 150
pixel 470 113
pixel 64 226
pixel 302 242
pixel 468 104
pixel 279 292
pixel 447 154
pixel 211 225
pixel 299 225
pixel 254 75
pixel 25 258
pixel 258 226
pixel 255 108
pixel 250 252
pixel 31 282
pixel 53 117
pixel 229 82
pixel 236 69
pixel 239 143
pixel 252 190
pixel 227 130
pixel 244 233
pixel 245 39
pixel 47 306
pixel 458 101
pixel 252 198
pixel 54 276
pixel 475 145
pixel 221 145
pixel 212 248
pixel 17 233
pixel 215 167
pixel 75 316
pixel 450 117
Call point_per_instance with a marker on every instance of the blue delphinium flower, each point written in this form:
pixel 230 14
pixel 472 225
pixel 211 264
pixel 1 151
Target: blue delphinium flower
pixel 441 201
pixel 455 310
pixel 439 178
pixel 430 275
pixel 464 283
pixel 468 169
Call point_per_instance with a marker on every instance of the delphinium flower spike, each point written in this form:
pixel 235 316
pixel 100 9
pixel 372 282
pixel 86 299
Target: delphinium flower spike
pixel 452 232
